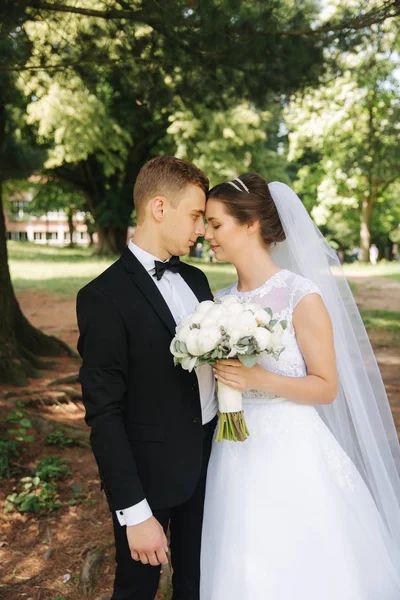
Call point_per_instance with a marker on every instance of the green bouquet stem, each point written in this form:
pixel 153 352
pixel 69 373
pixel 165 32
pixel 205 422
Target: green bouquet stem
pixel 232 427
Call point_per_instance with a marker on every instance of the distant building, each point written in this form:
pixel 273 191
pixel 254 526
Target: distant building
pixel 51 228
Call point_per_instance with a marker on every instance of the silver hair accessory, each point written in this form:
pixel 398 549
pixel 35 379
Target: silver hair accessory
pixel 245 188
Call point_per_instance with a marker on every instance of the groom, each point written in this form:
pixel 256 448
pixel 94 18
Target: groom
pixel 151 423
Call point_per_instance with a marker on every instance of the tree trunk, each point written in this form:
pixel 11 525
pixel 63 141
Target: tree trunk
pixel 111 240
pixel 365 231
pixel 91 230
pixel 71 229
pixel 20 342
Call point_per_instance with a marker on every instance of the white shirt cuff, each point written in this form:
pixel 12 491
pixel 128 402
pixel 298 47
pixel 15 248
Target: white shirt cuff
pixel 133 515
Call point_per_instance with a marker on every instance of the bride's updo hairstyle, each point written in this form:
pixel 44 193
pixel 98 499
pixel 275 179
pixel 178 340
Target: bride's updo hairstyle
pixel 248 199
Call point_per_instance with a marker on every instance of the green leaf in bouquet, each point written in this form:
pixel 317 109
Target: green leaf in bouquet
pixel 272 323
pixel 245 341
pixel 248 360
pixel 205 359
pixel 277 353
pixel 269 311
pixel 224 350
pixel 181 347
pixel 201 361
pixel 284 324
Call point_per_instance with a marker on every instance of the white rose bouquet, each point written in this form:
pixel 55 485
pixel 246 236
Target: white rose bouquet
pixel 227 328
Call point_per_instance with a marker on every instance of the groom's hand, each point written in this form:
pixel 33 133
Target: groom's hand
pixel 148 543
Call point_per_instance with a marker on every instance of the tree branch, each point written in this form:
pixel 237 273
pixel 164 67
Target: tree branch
pixel 103 14
pixel 61 66
pixel 389 183
pixel 389 9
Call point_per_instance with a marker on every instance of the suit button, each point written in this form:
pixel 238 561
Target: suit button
pixel 194 387
pixel 196 420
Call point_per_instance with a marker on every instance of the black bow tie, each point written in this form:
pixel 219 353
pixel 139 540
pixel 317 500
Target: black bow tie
pixel 174 264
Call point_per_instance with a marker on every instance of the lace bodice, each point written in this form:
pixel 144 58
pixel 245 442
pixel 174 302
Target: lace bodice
pixel 282 292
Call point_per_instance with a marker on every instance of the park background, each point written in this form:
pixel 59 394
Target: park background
pixel 302 92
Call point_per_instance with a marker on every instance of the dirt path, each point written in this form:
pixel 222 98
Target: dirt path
pixel 41 558
pixel 53 316
pixel 380 293
pixel 377 293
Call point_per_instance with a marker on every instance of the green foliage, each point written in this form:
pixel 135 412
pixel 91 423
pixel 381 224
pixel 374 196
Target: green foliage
pixel 20 418
pixel 59 438
pixel 78 495
pixel 18 155
pixel 8 448
pixel 248 361
pixel 52 195
pixel 38 494
pixel 17 437
pixel 35 496
pixel 161 84
pixel 52 467
pixel 384 320
pixel 230 142
pixel 344 136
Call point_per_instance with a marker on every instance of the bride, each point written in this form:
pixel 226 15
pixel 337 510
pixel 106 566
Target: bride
pixel 307 508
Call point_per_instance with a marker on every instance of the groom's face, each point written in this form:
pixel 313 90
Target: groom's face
pixel 184 223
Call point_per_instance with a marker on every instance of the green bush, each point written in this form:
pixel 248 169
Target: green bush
pixel 38 493
pixel 59 438
pixel 77 491
pixel 52 467
pixel 19 417
pixel 36 496
pixel 7 448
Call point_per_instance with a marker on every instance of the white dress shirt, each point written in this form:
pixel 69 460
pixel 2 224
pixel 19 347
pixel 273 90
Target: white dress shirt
pixel 181 301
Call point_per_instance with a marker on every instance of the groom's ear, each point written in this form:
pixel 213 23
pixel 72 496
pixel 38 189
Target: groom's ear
pixel 158 206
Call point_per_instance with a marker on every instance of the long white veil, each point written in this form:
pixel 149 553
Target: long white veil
pixel 360 417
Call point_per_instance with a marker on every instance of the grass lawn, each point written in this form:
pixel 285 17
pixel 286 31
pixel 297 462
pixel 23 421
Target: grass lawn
pixel 384 320
pixel 390 270
pixel 60 270
pixel 65 270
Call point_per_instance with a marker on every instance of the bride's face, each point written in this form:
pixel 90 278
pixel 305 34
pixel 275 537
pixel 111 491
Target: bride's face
pixel 226 236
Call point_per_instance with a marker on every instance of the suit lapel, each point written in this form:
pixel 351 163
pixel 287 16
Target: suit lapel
pixel 200 290
pixel 149 289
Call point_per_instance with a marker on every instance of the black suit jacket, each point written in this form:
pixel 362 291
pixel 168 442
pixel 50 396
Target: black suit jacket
pixel 144 413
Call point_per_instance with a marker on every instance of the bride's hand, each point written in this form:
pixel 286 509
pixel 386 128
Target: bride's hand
pixel 233 373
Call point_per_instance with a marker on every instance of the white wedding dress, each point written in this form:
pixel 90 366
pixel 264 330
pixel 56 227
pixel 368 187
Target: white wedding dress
pixel 287 515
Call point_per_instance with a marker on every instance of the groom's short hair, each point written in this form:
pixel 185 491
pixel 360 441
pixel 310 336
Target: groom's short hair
pixel 166 176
